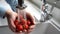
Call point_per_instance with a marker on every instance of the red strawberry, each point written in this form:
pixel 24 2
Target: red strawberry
pixel 28 22
pixel 20 27
pixel 26 26
pixel 16 22
pixel 23 21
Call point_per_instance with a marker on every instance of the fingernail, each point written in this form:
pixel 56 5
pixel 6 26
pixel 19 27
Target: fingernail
pixel 25 30
pixel 20 31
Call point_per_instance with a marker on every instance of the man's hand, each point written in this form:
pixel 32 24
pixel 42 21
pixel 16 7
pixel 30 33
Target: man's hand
pixel 11 16
pixel 31 19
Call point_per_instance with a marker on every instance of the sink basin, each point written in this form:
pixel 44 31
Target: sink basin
pixel 42 28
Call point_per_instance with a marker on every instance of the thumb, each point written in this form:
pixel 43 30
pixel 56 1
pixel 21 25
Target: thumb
pixel 12 23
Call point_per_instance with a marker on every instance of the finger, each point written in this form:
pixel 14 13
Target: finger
pixel 30 30
pixel 32 26
pixel 14 16
pixel 30 18
pixel 20 31
pixel 25 30
pixel 12 23
pixel 11 26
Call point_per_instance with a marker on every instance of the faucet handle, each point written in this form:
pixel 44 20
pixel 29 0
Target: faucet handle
pixel 21 4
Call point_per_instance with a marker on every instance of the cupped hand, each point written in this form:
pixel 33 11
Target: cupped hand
pixel 31 19
pixel 11 18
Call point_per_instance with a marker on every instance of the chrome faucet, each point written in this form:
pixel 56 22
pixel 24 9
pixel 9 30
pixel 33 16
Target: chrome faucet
pixel 21 4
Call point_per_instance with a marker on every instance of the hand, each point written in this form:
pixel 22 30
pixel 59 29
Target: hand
pixel 11 16
pixel 31 19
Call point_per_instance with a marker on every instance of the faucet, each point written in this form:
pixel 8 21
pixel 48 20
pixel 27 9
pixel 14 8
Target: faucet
pixel 21 8
pixel 46 15
pixel 21 4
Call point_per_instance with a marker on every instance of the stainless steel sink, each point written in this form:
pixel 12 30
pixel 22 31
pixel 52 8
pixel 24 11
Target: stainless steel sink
pixel 42 28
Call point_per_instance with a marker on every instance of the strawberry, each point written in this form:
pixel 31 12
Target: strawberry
pixel 26 26
pixel 28 22
pixel 23 21
pixel 16 22
pixel 20 27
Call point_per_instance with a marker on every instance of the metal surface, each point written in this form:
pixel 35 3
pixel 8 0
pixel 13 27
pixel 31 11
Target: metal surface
pixel 43 28
pixel 54 2
pixel 56 15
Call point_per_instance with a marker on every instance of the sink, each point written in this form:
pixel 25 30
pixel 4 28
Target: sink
pixel 42 28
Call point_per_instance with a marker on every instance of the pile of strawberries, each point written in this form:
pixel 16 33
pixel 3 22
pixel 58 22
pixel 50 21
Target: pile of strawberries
pixel 22 24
